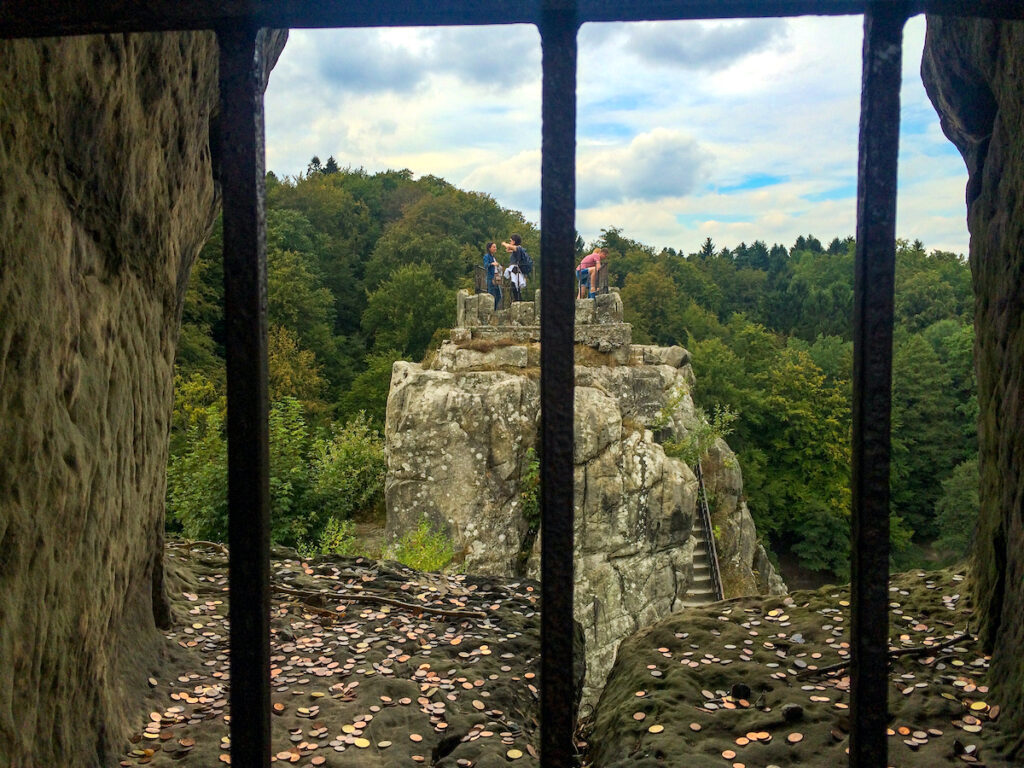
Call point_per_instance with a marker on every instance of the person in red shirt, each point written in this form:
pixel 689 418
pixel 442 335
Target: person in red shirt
pixel 587 271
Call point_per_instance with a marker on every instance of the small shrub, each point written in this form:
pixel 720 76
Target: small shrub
pixel 423 548
pixel 338 537
pixel 529 491
pixel 348 471
pixel 699 439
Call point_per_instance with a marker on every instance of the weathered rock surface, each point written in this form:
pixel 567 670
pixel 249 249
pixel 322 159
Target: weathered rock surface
pixel 458 434
pixel 108 193
pixel 974 73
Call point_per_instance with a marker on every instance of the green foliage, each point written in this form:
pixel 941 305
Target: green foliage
pixel 369 390
pixel 956 511
pixel 446 229
pixel 338 537
pixel 422 548
pixel 348 471
pixel 924 442
pixel 362 268
pixel 293 371
pixel 529 490
pixel 197 475
pixel 290 520
pixel 312 482
pixel 695 442
pixel 403 313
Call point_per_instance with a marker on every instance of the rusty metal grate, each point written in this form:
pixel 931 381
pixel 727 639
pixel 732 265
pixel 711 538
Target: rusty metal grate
pixel 238 24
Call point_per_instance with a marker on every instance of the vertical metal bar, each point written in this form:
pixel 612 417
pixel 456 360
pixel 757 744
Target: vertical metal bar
pixel 872 373
pixel 558 236
pixel 245 291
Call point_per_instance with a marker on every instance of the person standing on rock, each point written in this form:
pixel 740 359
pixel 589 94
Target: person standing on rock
pixel 587 271
pixel 493 268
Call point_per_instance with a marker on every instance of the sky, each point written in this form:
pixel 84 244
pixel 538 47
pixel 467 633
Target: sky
pixel 734 130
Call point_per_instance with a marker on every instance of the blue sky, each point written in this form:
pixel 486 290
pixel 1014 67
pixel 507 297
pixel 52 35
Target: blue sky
pixel 735 130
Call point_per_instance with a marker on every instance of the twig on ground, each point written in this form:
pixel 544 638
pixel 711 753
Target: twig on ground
pixel 378 599
pixel 917 650
pixel 214 545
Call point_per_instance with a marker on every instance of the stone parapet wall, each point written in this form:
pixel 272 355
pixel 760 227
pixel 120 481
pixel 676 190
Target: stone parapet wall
pixel 598 323
pixel 476 310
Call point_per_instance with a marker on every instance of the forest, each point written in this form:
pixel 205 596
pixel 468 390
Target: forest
pixel 362 271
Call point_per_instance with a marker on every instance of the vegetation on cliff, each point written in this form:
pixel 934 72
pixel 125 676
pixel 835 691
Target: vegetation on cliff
pixel 362 270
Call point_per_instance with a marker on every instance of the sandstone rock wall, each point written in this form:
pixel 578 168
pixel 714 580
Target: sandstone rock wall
pixel 458 433
pixel 974 73
pixel 108 193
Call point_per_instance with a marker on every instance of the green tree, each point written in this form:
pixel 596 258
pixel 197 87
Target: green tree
pixel 925 443
pixel 447 231
pixel 956 511
pixel 294 371
pixel 650 301
pixel 348 471
pixel 406 309
pixel 369 389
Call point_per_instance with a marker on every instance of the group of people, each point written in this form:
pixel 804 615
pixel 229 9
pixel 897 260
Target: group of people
pixel 513 277
pixel 520 265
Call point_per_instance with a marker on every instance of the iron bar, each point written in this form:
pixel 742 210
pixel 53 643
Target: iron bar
pixel 245 313
pixel 872 374
pixel 44 18
pixel 558 245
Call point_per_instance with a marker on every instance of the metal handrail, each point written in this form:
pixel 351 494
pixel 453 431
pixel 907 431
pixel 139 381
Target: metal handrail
pixel 709 535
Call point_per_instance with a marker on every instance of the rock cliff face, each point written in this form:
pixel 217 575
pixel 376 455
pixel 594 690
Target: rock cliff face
pixel 458 434
pixel 108 193
pixel 974 73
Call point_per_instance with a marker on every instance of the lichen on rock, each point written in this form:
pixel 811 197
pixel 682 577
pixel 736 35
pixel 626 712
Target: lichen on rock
pixel 459 433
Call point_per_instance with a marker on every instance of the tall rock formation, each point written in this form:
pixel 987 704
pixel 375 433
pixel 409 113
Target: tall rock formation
pixel 974 74
pixel 108 193
pixel 460 430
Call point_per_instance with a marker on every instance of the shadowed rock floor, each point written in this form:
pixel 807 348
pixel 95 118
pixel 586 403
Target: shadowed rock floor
pixel 742 684
pixel 355 682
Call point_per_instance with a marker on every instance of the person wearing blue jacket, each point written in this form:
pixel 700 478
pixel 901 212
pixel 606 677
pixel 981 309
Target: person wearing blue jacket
pixel 493 268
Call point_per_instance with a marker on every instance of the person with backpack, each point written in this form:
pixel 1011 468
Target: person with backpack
pixel 587 271
pixel 519 257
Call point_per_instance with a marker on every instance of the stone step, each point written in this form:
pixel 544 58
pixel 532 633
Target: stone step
pixel 689 602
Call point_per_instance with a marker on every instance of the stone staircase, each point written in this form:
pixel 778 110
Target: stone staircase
pixel 706 584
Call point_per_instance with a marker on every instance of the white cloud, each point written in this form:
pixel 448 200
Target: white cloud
pixel 653 165
pixel 700 46
pixel 737 130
